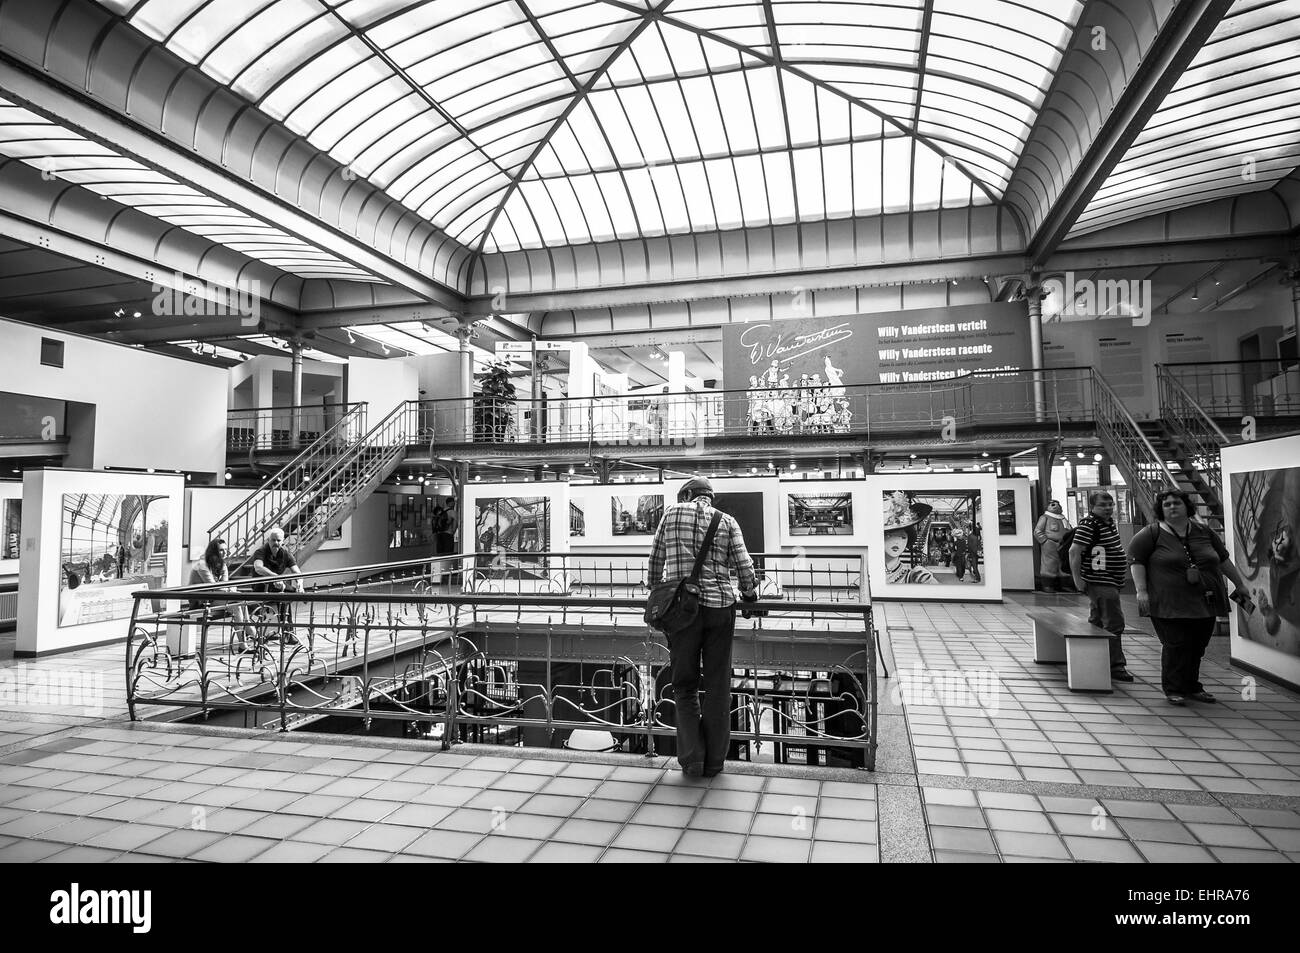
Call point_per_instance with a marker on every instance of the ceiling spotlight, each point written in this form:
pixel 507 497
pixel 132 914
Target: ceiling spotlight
pixel 228 476
pixel 137 314
pixel 753 469
pixel 570 469
pixel 912 457
pixel 1096 458
pixel 1079 455
pixel 399 478
pixel 984 454
pixel 792 466
pixel 149 470
pixel 1216 284
pixel 351 339
pixel 1196 293
pixel 384 348
pixel 477 477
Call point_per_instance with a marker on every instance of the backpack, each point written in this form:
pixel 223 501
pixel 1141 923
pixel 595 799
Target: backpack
pixel 1066 542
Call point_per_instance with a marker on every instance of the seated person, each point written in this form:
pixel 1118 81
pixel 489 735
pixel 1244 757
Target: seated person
pixel 212 568
pixel 274 560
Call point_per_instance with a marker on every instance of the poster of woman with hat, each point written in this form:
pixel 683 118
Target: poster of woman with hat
pixel 922 527
pixel 902 517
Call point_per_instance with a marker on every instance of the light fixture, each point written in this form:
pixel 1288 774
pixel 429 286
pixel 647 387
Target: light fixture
pixel 351 339
pixel 1196 293
pixel 753 469
pixel 477 477
pixel 792 466
pixel 149 470
pixel 1096 458
pixel 228 476
pixel 570 470
pixel 137 314
pixel 1079 455
pixel 984 454
pixel 912 457
pixel 384 348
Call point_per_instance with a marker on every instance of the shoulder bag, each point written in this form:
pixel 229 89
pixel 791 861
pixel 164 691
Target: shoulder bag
pixel 672 606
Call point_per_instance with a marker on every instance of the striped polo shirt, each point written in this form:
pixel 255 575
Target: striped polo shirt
pixel 1104 559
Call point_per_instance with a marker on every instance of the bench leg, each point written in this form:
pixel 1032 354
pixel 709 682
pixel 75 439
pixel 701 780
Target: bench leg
pixel 1049 646
pixel 1088 664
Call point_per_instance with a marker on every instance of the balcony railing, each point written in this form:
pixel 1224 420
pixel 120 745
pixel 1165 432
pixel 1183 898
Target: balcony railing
pixel 407 642
pixel 272 428
pixel 987 397
pixel 1269 388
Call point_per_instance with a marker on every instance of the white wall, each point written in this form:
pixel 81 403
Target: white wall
pixel 383 384
pixel 39 631
pixel 152 410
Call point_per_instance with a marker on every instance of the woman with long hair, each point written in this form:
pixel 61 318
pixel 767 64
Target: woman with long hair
pixel 212 569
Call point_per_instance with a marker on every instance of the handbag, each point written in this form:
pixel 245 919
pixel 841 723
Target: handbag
pixel 672 606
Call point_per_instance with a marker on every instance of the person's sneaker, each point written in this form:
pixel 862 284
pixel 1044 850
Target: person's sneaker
pixel 1203 696
pixel 1176 700
pixel 1122 675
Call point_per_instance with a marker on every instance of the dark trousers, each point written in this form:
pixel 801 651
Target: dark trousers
pixel 703 725
pixel 1182 645
pixel 1105 612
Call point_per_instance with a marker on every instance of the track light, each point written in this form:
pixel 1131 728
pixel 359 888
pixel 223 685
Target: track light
pixel 792 466
pixel 1079 455
pixel 1096 458
pixel 1196 293
pixel 351 339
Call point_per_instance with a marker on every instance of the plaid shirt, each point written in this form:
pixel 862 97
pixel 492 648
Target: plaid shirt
pixel 678 540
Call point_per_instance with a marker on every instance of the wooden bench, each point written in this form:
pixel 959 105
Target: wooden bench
pixel 1084 648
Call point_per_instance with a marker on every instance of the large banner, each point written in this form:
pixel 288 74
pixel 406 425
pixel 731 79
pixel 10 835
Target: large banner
pixel 888 347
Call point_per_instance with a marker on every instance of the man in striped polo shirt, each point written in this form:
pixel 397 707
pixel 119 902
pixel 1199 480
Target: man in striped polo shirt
pixel 1098 563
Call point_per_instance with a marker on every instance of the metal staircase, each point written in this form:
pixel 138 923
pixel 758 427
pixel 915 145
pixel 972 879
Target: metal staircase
pixel 320 488
pixel 1195 441
pixel 1178 452
pixel 1145 471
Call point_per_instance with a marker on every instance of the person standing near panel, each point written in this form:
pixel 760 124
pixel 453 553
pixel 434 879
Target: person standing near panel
pixel 1098 564
pixel 701 652
pixel 1049 531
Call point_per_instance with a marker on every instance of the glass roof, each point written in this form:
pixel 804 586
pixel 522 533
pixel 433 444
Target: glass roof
pixel 1231 124
pixel 529 123
pixel 63 154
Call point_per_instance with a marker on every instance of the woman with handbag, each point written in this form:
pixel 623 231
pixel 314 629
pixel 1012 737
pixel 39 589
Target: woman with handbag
pixel 1178 567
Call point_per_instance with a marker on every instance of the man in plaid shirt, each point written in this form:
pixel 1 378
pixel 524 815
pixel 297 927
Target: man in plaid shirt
pixel 703 728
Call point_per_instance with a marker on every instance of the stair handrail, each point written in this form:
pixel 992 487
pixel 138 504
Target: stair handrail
pixel 1171 384
pixel 1104 397
pixel 276 483
pixel 1195 427
pixel 323 483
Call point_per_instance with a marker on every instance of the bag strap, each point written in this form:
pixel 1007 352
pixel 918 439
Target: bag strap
pixel 694 577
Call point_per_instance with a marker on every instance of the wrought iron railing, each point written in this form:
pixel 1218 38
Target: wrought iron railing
pixel 273 428
pixel 1268 388
pixel 405 642
pixel 1145 471
pixel 984 397
pixel 245 525
pixel 1200 437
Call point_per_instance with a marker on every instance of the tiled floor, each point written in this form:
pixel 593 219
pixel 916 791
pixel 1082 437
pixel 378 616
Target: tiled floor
pixel 985 757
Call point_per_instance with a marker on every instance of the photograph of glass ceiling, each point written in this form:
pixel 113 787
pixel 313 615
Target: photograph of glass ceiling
pixel 526 123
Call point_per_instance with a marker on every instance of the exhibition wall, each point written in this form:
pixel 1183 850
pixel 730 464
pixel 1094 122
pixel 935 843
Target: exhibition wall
pixel 1015 529
pixel 1261 486
pixel 383 384
pixel 206 505
pixel 150 410
pixel 89 539
pixel 11 510
pixel 1127 353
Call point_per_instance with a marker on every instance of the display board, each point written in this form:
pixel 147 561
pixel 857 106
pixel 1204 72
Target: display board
pixel 11 518
pixel 934 536
pixel 886 347
pixel 823 513
pixel 89 540
pixel 1262 516
pixel 513 527
pixel 1015 524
